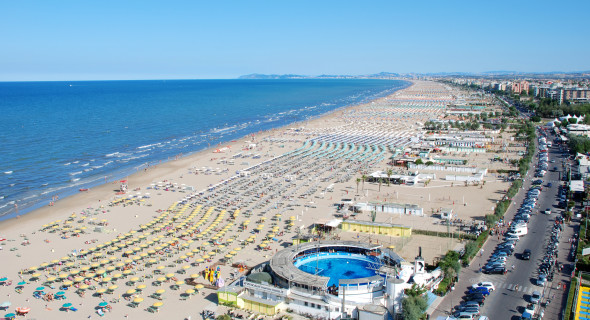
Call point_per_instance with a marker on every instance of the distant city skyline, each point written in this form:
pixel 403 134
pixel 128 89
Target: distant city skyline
pixel 113 40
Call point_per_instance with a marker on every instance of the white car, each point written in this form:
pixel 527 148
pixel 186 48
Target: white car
pixel 485 284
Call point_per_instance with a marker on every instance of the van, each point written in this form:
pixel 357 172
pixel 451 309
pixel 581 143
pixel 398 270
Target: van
pixel 517 232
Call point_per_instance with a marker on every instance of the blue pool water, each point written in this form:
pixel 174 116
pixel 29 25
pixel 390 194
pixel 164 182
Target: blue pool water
pixel 337 267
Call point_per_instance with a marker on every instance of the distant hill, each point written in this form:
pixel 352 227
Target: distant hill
pixel 272 76
pixel 381 75
pixel 391 75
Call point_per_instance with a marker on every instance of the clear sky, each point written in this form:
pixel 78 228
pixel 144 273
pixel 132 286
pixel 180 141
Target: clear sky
pixel 148 39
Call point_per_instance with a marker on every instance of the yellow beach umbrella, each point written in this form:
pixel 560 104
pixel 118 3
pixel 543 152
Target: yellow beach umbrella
pixel 131 291
pixel 138 300
pixel 134 279
pixel 160 291
pixel 190 291
pixel 141 286
pixel 83 287
pixel 158 304
pixel 161 279
pixel 113 287
pixel 179 282
pixel 199 286
pixel 51 279
pixel 101 290
pixel 68 283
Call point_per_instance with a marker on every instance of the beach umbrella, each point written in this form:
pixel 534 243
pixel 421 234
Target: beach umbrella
pixel 200 260
pixel 160 291
pixel 199 286
pixel 169 275
pixel 179 282
pixel 195 275
pixel 63 275
pixel 40 289
pixel 22 283
pixel 138 300
pixel 141 286
pixel 36 275
pixel 158 304
pixel 101 290
pixel 10 315
pixel 190 291
pixel 134 279
pixel 67 305
pixel 78 279
pixel 103 304
pixel 161 279
pixel 68 283
pixel 113 287
pixel 83 287
pixel 5 304
pixel 60 293
pixel 117 275
pixel 23 310
pixel 131 291
pixel 127 272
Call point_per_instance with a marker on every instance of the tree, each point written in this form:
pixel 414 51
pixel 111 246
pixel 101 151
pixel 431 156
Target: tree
pixel 389 174
pixel 358 181
pixel 419 161
pixel 414 304
pixel 364 178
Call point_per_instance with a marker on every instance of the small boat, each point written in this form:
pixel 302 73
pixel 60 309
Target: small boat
pixel 84 189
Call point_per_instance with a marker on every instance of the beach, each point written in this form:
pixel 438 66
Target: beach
pixel 230 208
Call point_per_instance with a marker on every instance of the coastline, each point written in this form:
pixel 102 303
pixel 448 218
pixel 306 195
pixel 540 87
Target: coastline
pixel 105 191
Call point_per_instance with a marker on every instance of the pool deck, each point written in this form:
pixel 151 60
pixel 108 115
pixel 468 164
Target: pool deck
pixel 282 261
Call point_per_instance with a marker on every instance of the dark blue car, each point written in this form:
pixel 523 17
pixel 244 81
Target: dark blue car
pixel 483 290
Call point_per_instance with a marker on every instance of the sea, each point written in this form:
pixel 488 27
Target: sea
pixel 59 137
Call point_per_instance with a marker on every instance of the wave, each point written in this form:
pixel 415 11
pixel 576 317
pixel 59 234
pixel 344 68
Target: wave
pixel 74 180
pixel 8 172
pixel 111 154
pixel 85 165
pixel 67 164
pixel 75 173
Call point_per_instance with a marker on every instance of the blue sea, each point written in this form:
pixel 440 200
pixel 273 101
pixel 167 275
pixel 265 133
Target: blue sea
pixel 58 137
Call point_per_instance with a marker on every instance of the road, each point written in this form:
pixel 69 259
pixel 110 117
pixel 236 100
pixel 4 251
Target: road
pixel 506 302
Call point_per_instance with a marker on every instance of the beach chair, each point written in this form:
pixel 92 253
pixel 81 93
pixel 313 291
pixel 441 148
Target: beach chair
pixel 73 309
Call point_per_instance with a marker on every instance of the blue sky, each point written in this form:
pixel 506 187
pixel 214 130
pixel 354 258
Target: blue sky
pixel 77 40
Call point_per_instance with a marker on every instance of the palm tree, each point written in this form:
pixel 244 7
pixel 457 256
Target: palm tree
pixel 364 177
pixel 380 181
pixel 389 174
pixel 358 181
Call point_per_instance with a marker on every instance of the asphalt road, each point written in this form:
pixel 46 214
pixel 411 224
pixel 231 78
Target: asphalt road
pixel 506 302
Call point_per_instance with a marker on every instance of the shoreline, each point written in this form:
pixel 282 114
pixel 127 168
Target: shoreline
pixel 102 193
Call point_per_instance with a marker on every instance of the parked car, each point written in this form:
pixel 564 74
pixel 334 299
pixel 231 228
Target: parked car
pixel 495 270
pixel 483 290
pixel 535 297
pixel 485 284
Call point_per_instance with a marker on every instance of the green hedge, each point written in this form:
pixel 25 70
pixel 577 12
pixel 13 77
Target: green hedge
pixel 570 299
pixel 456 235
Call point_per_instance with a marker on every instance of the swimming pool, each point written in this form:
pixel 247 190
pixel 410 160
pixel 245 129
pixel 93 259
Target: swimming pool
pixel 338 266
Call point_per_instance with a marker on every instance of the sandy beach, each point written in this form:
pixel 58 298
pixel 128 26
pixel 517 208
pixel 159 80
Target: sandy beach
pixel 230 206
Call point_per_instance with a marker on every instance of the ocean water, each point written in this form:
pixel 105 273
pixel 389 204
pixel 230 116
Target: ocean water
pixel 58 137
